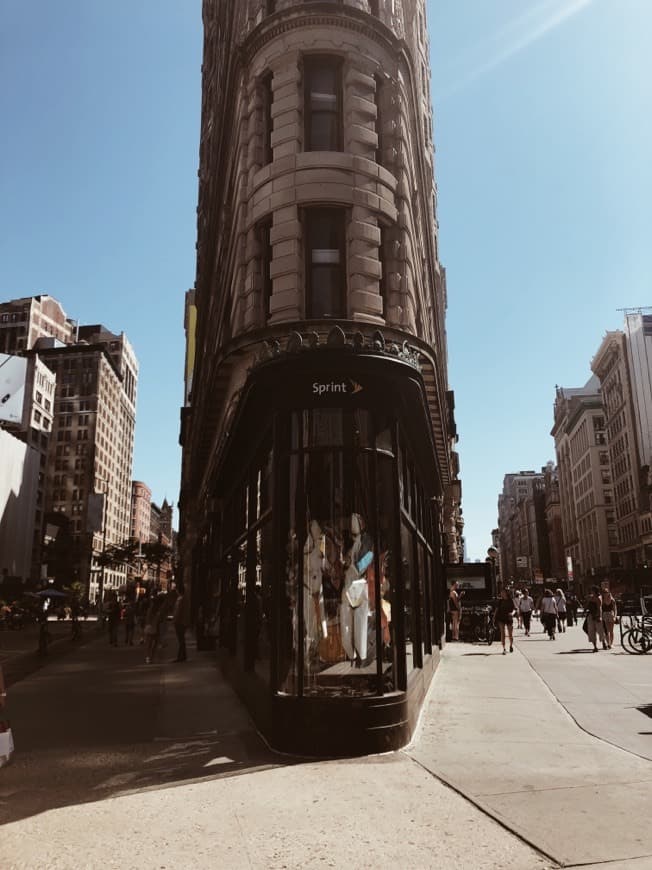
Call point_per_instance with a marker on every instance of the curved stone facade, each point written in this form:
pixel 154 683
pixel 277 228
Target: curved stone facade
pixel 259 183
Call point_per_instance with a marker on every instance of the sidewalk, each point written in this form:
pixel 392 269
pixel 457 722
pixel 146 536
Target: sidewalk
pixel 196 787
pixel 19 655
pixel 494 731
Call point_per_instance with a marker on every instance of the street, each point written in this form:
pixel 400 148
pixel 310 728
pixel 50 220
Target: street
pixel 517 763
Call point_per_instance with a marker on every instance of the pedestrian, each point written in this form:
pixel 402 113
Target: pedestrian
pixel 130 622
pixel 571 609
pixel 549 613
pixel 75 611
pixel 594 625
pixel 43 633
pixel 609 615
pixel 113 618
pixel 155 612
pixel 180 621
pixel 525 608
pixel 516 597
pixel 166 597
pixel 505 618
pixel 454 610
pixel 562 609
pixel 141 615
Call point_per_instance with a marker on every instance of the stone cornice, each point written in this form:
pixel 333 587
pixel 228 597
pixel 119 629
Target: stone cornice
pixel 293 19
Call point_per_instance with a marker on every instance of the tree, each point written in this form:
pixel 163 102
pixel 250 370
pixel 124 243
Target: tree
pixel 155 554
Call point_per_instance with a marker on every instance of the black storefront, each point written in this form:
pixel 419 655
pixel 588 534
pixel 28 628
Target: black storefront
pixel 320 569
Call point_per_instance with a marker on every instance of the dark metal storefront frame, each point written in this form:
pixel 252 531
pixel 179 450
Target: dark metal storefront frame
pixel 308 723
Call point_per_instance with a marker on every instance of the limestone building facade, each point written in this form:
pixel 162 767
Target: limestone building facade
pixel 316 365
pixel 588 509
pixel 612 366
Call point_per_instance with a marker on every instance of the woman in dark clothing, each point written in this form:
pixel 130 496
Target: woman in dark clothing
pixel 609 614
pixel 505 619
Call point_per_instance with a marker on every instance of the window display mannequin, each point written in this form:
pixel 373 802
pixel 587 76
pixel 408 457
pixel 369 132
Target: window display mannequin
pixel 354 606
pixel 315 565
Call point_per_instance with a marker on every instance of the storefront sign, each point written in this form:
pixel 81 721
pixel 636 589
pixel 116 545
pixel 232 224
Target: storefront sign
pixel 569 568
pixel 346 387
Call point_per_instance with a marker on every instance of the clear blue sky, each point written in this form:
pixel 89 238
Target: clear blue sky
pixel 544 141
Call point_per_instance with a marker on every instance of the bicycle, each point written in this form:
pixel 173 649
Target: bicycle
pixel 636 639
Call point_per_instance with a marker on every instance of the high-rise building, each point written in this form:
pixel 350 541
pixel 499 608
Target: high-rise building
pixel 23 321
pixel 27 389
pixel 588 512
pixel 141 509
pixel 524 546
pixel 320 499
pixel 622 364
pixel 84 431
pixel 552 503
pixel 91 448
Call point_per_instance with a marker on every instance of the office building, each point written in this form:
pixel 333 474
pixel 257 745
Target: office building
pixel 524 546
pixel 320 497
pixel 586 487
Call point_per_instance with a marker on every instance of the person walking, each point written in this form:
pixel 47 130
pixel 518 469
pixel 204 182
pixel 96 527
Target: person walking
pixel 609 615
pixel 505 618
pixel 113 616
pixel 180 621
pixel 516 597
pixel 454 610
pixel 155 612
pixel 549 613
pixel 142 607
pixel 571 609
pixel 525 608
pixel 130 622
pixel 594 625
pixel 562 609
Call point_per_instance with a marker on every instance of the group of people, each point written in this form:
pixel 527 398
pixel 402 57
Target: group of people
pixel 556 611
pixel 149 615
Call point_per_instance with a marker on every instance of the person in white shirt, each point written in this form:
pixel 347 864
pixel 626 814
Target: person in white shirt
pixel 549 613
pixel 525 608
pixel 560 598
pixel 516 597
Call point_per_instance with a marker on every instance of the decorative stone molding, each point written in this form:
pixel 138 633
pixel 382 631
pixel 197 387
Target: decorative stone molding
pixel 355 341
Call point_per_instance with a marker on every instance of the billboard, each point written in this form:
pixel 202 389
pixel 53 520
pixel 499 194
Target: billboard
pixel 13 374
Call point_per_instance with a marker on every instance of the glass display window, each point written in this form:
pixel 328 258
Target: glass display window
pixel 335 632
pixel 326 557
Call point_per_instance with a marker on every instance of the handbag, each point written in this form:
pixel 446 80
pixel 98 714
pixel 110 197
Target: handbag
pixel 585 625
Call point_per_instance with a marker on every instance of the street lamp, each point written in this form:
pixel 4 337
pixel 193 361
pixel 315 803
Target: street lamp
pixel 106 481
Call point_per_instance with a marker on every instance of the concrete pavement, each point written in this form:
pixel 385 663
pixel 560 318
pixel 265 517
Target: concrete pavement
pixel 124 765
pixel 495 731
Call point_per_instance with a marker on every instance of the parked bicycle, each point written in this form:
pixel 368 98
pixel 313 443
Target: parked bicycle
pixel 636 634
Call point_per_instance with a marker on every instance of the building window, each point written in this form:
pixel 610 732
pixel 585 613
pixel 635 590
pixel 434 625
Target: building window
pixel 378 96
pixel 374 8
pixel 270 7
pixel 323 103
pixel 268 121
pixel 326 291
pixel 266 255
pixel 382 256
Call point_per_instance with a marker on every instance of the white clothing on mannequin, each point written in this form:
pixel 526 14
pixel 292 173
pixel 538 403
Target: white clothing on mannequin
pixel 354 606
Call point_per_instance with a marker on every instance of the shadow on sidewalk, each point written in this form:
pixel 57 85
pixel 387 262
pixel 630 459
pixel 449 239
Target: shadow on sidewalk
pixel 573 652
pixel 104 725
